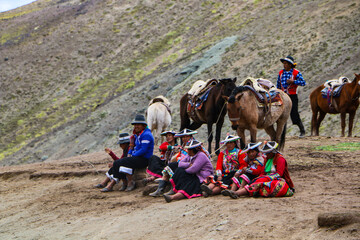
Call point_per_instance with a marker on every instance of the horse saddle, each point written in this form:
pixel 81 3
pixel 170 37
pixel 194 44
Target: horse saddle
pixel 200 86
pixel 264 91
pixel 259 85
pixel 333 87
pixel 199 93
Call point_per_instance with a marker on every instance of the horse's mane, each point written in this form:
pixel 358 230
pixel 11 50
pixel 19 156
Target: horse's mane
pixel 236 90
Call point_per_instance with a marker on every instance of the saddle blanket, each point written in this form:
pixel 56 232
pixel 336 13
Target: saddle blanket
pixel 334 92
pixel 199 100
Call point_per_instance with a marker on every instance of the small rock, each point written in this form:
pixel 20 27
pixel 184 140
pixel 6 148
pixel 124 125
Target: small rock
pixel 337 219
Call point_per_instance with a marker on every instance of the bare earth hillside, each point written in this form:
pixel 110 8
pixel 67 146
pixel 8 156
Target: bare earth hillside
pixel 73 73
pixel 55 200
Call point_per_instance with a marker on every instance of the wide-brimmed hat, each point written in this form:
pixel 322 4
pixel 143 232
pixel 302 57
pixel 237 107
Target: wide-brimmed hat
pixel 289 59
pixel 251 146
pixel 185 132
pixel 230 138
pixel 166 132
pixel 139 119
pixel 269 146
pixel 124 138
pixel 193 143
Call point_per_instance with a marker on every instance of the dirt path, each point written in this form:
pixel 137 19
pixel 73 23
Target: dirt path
pixel 55 200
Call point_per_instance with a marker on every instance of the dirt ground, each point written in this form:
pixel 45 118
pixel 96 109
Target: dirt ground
pixel 55 200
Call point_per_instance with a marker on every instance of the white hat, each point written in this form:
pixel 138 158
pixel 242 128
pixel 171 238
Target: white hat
pixel 230 138
pixel 251 146
pixel 185 132
pixel 269 146
pixel 193 143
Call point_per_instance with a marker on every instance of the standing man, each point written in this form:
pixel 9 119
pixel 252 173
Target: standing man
pixel 288 80
pixel 140 155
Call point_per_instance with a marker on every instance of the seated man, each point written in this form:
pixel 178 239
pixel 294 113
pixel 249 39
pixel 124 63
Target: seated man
pixel 140 155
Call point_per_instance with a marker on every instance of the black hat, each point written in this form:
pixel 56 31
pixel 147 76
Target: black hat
pixel 289 59
pixel 124 138
pixel 139 119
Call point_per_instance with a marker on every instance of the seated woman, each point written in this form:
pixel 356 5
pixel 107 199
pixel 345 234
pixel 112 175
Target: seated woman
pixel 229 162
pixel 253 167
pixel 167 150
pixel 275 180
pixel 109 182
pixel 169 170
pixel 191 172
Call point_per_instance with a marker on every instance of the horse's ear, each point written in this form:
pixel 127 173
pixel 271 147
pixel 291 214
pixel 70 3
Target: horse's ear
pixel 357 75
pixel 234 79
pixel 226 98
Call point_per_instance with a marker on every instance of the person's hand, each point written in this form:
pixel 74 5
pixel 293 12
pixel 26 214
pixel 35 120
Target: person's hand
pixel 290 81
pixel 237 174
pixel 220 178
pixel 107 150
pixel 110 165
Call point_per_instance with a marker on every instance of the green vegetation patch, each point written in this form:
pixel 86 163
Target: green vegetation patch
pixel 347 146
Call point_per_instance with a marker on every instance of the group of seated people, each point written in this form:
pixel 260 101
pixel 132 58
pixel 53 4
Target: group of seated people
pixel 254 171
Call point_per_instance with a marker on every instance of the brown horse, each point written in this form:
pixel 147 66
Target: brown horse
pixel 245 114
pixel 347 102
pixel 212 111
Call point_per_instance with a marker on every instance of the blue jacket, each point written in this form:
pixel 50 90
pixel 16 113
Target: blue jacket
pixel 144 144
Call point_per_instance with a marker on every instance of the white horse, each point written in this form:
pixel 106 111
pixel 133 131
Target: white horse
pixel 158 116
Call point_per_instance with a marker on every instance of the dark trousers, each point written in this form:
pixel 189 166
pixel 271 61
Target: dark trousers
pixel 294 114
pixel 129 162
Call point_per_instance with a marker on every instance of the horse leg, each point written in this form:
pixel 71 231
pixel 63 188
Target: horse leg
pixel 184 117
pixel 210 136
pixel 319 120
pixel 351 121
pixel 253 132
pixel 241 134
pixel 271 132
pixel 343 124
pixel 314 122
pixel 218 135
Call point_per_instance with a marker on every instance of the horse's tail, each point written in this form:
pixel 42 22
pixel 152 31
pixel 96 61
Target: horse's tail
pixel 282 139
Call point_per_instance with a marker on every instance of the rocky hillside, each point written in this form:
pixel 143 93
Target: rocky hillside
pixel 75 72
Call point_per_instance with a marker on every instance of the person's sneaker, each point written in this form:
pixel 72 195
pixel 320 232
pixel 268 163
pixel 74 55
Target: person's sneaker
pixel 157 193
pixel 167 198
pixel 232 194
pixel 130 187
pixel 123 187
pixel 206 189
pixel 99 186
pixel 171 192
pixel 302 134
pixel 205 195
